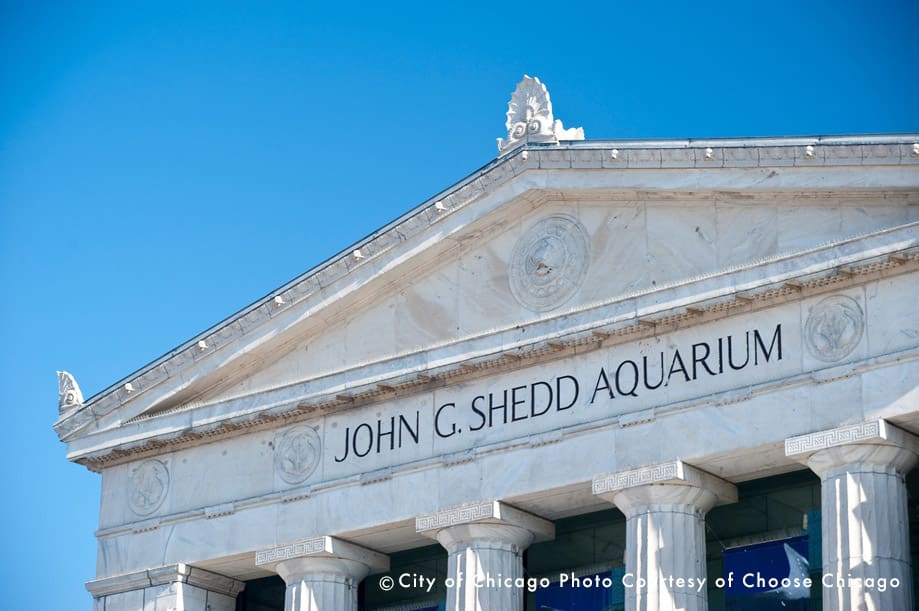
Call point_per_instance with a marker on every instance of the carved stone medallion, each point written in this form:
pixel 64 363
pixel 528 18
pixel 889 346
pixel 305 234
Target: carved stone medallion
pixel 297 453
pixel 149 485
pixel 834 328
pixel 549 263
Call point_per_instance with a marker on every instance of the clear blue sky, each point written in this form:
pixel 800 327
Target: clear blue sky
pixel 164 165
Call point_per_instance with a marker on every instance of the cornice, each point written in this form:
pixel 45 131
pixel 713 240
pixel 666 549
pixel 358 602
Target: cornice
pixel 644 323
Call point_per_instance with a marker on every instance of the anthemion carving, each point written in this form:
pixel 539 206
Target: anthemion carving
pixel 296 453
pixel 149 485
pixel 549 263
pixel 834 328
pixel 68 392
pixel 529 118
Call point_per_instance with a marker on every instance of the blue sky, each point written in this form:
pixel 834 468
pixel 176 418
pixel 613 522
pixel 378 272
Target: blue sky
pixel 163 165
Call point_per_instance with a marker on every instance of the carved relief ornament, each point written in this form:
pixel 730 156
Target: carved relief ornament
pixel 149 485
pixel 834 328
pixel 68 392
pixel 549 263
pixel 530 119
pixel 296 453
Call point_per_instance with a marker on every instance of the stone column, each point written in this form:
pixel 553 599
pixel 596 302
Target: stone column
pixel 665 507
pixel 176 586
pixel 864 516
pixel 322 573
pixel 484 543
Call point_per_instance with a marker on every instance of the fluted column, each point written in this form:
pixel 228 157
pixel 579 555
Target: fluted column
pixel 322 573
pixel 485 544
pixel 665 507
pixel 865 524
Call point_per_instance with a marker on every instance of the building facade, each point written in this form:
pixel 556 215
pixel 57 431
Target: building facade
pixel 657 374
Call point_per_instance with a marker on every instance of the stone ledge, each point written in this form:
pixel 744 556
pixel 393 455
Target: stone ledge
pixel 173 573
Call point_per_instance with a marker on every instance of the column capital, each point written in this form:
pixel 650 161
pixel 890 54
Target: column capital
pixel 483 513
pixel 875 443
pixel 669 483
pixel 320 551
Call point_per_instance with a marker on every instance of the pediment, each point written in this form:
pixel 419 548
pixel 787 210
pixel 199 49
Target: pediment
pixel 603 249
pixel 497 263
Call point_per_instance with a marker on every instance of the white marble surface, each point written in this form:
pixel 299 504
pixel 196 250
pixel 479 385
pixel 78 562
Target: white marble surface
pixel 220 477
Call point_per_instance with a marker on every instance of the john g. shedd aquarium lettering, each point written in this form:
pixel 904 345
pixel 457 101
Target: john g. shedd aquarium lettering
pixel 624 380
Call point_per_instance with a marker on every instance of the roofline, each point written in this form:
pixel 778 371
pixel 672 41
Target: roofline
pixel 733 142
pixel 662 143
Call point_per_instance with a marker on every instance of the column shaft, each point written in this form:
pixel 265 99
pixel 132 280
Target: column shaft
pixel 484 561
pixel 865 539
pixel 321 584
pixel 664 541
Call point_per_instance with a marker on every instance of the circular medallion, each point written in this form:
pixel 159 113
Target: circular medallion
pixel 834 328
pixel 149 484
pixel 297 454
pixel 549 263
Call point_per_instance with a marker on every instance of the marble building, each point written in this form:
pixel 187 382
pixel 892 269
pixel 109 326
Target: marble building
pixel 606 371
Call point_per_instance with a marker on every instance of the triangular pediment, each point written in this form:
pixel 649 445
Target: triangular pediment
pixel 502 278
pixel 492 265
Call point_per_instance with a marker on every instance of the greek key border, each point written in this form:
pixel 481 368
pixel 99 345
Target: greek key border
pixel 832 437
pixel 635 477
pixel 455 515
pixel 294 550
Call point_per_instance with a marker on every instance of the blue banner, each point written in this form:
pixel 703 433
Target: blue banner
pixel 594 592
pixel 767 576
